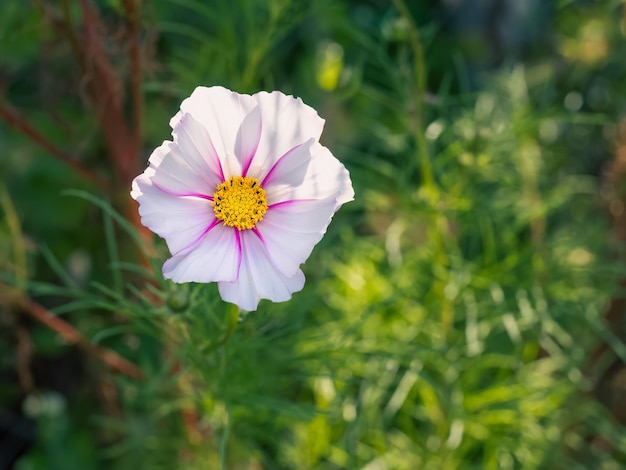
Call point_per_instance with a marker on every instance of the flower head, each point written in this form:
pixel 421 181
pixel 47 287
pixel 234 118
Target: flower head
pixel 242 194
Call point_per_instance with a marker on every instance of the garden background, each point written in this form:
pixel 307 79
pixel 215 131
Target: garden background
pixel 465 311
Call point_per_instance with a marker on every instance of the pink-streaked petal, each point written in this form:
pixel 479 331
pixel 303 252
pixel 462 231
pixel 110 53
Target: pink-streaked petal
pixel 248 139
pixel 215 257
pixel 195 144
pixel 222 113
pixel 287 122
pixel 290 230
pixel 291 167
pixel 179 220
pixel 258 277
pixel 174 174
pixel 232 167
pixel 325 177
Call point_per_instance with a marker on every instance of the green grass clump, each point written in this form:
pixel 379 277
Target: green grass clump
pixel 454 315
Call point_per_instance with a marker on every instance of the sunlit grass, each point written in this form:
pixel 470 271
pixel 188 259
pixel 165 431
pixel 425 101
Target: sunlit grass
pixel 452 311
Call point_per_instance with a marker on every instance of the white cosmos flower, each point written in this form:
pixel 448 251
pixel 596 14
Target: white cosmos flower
pixel 242 194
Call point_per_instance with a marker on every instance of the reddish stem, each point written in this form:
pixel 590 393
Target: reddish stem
pixel 18 123
pixel 105 90
pixel 132 7
pixel 112 360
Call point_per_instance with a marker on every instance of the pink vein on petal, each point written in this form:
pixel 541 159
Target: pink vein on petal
pixel 213 152
pixel 269 173
pixel 246 167
pixel 197 241
pixel 219 162
pixel 258 234
pixel 239 250
pixel 289 203
pixel 172 193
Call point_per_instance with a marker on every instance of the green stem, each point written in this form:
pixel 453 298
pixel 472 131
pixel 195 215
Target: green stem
pixel 112 251
pixel 233 319
pixel 224 441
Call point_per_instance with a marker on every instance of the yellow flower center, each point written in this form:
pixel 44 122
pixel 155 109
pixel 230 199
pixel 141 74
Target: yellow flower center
pixel 240 202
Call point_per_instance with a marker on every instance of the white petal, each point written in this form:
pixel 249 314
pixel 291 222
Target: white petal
pixel 173 172
pixel 179 220
pixel 232 167
pixel 196 147
pixel 258 277
pixel 291 168
pixel 287 122
pixel 325 177
pixel 215 257
pixel 225 115
pixel 247 139
pixel 290 230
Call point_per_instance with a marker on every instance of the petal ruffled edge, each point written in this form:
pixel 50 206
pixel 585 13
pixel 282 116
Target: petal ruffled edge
pixel 287 123
pixel 179 220
pixel 289 231
pixel 170 171
pixel 231 119
pixel 325 176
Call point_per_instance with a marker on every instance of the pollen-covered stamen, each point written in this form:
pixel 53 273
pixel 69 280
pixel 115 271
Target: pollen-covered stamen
pixel 240 202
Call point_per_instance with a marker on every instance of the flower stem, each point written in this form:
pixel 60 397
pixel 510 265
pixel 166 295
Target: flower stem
pixel 233 319
pixel 224 440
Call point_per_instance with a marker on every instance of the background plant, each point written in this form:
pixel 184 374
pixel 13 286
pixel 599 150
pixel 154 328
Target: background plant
pixel 463 312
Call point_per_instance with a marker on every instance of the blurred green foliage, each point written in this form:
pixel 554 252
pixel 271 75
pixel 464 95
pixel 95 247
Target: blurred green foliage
pixel 453 313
